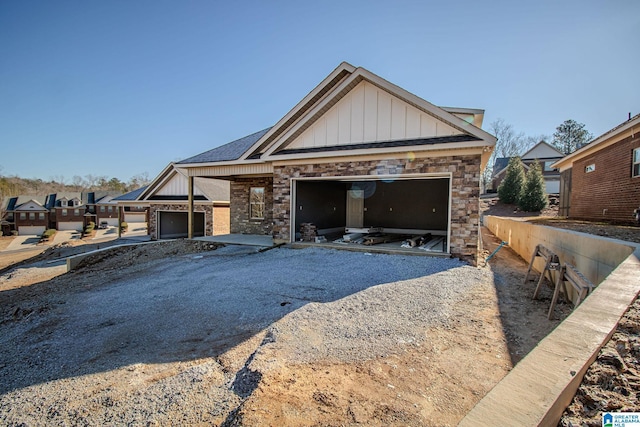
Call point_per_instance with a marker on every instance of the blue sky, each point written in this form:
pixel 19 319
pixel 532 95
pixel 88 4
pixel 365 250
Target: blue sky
pixel 118 88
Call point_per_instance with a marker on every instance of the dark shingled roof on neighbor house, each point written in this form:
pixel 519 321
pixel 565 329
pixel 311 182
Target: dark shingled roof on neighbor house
pixel 500 163
pixel 131 195
pixel 230 151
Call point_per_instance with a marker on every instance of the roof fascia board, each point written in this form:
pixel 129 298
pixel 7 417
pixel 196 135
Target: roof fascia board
pixel 603 141
pixel 186 166
pixel 386 150
pixel 344 66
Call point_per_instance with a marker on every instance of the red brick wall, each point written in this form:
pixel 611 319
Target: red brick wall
pixel 70 216
pixel 609 187
pixel 28 222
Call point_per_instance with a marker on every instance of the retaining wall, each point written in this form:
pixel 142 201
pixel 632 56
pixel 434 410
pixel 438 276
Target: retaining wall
pixel 540 387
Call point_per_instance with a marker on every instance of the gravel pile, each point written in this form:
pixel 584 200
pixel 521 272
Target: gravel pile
pixel 87 354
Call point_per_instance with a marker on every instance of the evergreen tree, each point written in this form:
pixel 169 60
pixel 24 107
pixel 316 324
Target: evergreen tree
pixel 533 197
pixel 570 136
pixel 511 187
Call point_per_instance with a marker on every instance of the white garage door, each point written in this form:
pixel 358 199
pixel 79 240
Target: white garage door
pixel 135 217
pixel 111 221
pixel 70 226
pixel 31 230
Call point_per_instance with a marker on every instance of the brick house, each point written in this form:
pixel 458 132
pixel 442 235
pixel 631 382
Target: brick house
pixel 357 151
pixel 601 181
pixel 165 200
pixel 28 215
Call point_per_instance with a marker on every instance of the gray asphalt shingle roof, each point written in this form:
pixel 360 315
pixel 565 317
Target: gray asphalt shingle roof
pixel 131 195
pixel 230 151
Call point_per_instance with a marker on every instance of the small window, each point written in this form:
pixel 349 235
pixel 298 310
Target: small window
pixel 23 215
pixel 41 216
pixel 64 212
pixel 590 168
pixel 110 209
pixel 636 162
pixel 256 202
pixel 76 212
pixel 101 208
pixel 32 216
pixel 547 166
pixel 63 203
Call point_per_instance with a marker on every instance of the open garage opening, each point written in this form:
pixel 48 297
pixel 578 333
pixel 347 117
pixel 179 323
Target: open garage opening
pixel 411 213
pixel 175 224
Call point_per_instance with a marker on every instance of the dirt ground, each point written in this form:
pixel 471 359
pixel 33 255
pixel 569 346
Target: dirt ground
pixel 434 383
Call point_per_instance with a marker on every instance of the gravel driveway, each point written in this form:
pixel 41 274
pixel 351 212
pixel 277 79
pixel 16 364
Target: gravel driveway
pixel 60 365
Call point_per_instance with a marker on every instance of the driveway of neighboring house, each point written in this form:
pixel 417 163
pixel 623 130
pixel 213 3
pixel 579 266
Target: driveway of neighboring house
pixel 65 236
pixel 23 242
pixel 105 233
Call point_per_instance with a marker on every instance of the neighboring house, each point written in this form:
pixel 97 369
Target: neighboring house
pixel 166 199
pixel 106 209
pixel 542 153
pixel 60 211
pixel 27 215
pixel 601 181
pixel 357 151
pixel 68 211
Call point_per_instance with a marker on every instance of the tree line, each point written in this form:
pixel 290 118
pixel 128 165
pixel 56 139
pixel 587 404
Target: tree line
pixel 11 186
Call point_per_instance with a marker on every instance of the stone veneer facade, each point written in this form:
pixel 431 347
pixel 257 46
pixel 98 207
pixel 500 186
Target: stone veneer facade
pixel 241 223
pixel 153 218
pixel 465 197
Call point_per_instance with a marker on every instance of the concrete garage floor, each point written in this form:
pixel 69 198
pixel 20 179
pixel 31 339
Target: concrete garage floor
pixel 238 337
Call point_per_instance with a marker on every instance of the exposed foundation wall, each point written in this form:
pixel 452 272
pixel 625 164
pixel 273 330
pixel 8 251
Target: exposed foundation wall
pixel 241 222
pixel 152 225
pixel 595 257
pixel 465 184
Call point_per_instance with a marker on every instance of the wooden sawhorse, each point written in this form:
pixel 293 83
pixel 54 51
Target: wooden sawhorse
pixel 552 263
pixel 582 285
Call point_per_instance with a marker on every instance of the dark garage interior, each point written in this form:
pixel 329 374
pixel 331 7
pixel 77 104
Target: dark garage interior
pixel 175 225
pixel 399 209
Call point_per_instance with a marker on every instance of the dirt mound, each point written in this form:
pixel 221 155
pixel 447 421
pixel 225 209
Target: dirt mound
pixel 124 256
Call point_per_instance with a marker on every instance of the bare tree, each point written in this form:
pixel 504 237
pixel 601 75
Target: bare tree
pixel 510 144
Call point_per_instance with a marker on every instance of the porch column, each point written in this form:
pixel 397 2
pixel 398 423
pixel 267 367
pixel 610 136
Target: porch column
pixel 119 220
pixel 190 208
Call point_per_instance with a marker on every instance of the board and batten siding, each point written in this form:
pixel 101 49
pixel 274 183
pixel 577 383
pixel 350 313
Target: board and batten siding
pixel 367 114
pixel 177 186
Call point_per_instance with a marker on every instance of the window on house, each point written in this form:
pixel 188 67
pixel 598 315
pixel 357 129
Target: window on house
pixel 41 216
pixel 547 166
pixel 101 208
pixel 110 209
pixel 76 212
pixel 23 215
pixel 64 212
pixel 636 162
pixel 32 216
pixel 256 202
pixel 590 168
pixel 63 203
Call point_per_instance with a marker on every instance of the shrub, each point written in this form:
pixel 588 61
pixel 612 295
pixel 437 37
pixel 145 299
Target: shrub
pixel 533 197
pixel 511 187
pixel 124 226
pixel 92 224
pixel 48 233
